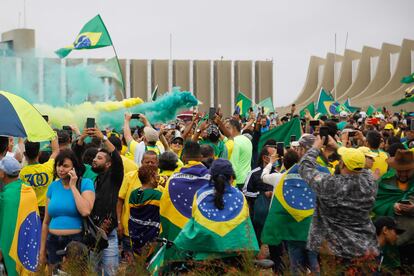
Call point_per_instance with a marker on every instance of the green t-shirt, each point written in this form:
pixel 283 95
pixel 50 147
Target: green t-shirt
pixel 241 158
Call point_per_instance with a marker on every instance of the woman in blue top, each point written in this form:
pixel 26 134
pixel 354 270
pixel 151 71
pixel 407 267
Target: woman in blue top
pixel 65 207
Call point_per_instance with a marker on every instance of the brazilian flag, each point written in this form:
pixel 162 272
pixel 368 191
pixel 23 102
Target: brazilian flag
pixel 93 35
pixel 212 233
pixel 20 228
pixel 408 98
pixel 326 104
pixel 243 103
pixel 177 198
pixel 291 210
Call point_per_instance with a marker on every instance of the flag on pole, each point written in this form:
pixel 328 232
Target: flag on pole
pixel 326 104
pixel 267 105
pixel 408 98
pixel 408 79
pixel 310 107
pixel 108 69
pixel 243 103
pixel 282 133
pixel 371 110
pixel 93 35
pixel 154 93
pixel 342 107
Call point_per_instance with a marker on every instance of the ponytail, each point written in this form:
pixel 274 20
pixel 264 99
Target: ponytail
pixel 219 184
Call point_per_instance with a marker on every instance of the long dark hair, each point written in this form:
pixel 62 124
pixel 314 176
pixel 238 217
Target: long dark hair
pixel 221 173
pixel 68 154
pixel 219 185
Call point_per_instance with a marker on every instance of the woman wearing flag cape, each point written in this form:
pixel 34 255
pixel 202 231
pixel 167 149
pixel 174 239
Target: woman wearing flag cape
pixel 220 227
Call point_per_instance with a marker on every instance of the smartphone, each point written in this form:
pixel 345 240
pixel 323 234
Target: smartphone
pixel 292 138
pixel 394 124
pixel 314 123
pixel 68 128
pixel 211 113
pixel 280 148
pixel 324 132
pixel 135 116
pixel 90 122
pixel 405 201
pixel 412 124
pixel 46 118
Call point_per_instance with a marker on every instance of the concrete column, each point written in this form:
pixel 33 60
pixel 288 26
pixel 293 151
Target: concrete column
pixel 202 83
pixel 139 78
pixel 264 80
pixel 244 77
pixel 223 85
pixel 181 74
pixel 160 75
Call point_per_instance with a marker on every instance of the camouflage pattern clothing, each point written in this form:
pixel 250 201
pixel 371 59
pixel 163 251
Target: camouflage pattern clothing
pixel 343 204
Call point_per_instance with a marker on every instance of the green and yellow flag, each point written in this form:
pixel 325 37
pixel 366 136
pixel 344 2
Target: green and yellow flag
pixel 214 233
pixel 243 103
pixel 408 79
pixel 93 35
pixel 20 228
pixel 408 98
pixel 326 103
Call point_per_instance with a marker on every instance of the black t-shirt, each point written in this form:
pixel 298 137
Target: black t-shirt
pixel 107 186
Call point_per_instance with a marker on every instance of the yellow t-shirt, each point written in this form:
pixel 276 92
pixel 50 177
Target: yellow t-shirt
pixel 130 183
pixel 129 165
pixel 39 176
pixel 230 145
pixel 380 162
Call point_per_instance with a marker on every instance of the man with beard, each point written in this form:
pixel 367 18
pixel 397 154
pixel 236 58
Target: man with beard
pixel 108 165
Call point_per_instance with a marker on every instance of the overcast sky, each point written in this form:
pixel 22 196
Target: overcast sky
pixel 288 31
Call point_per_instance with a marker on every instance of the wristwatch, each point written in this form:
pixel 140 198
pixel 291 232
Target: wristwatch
pixel 105 138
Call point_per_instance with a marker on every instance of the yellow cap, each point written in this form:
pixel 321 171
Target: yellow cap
pixel 367 152
pixel 388 127
pixel 353 159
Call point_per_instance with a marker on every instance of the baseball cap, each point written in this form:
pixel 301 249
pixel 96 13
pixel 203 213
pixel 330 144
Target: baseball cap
pixel 10 166
pixel 367 152
pixel 343 114
pixel 150 134
pixel 353 159
pixel 307 140
pixel 388 222
pixel 389 127
pixel 177 136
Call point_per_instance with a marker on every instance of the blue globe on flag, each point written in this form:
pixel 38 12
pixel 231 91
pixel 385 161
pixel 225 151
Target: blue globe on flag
pixel 333 108
pixel 82 42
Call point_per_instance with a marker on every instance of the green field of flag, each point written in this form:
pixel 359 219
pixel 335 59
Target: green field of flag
pixel 93 35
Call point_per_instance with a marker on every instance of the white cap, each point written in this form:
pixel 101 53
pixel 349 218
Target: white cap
pixel 380 116
pixel 363 114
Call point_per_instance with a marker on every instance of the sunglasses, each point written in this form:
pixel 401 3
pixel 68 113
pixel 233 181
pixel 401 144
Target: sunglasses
pixel 177 142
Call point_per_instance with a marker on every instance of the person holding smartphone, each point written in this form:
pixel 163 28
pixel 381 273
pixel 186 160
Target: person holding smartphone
pixel 67 202
pixel 395 198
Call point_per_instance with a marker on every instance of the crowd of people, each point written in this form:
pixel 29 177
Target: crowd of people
pixel 344 189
